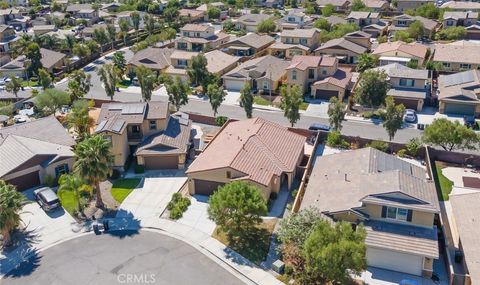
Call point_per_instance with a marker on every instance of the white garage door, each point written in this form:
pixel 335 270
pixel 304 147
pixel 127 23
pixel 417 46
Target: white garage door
pixel 401 262
pixel 234 85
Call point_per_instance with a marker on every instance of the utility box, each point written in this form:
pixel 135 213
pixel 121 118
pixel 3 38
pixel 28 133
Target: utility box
pixel 278 266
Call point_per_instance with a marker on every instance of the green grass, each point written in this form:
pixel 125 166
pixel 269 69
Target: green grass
pixel 29 83
pixel 304 106
pixel 122 187
pixel 442 182
pixel 261 101
pixel 123 84
pixel 68 200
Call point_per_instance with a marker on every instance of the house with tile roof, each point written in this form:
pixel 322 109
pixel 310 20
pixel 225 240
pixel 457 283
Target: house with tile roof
pixel 147 131
pixel 459 18
pixel 249 22
pixel 319 76
pixel 404 5
pixel 369 22
pixel 400 52
pixel 459 93
pixel 347 48
pixel 341 6
pixel 461 6
pixel 255 150
pixel 156 59
pixel 390 197
pixel 295 42
pixel 402 22
pixel 28 156
pixel 200 37
pixel 457 56
pixel 379 6
pixel 248 45
pixel 52 61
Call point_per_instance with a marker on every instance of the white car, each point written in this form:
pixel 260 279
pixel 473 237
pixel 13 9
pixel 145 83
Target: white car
pixel 410 116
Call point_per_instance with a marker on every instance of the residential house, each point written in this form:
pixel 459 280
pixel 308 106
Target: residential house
pixel 348 48
pixel 296 42
pixel 401 52
pixel 404 5
pixel 147 131
pixel 459 93
pixel 219 5
pixel 249 22
pixel 379 6
pixel 254 150
pixel 84 12
pixel 466 228
pixel 6 15
pixel 458 18
pixel 43 29
pixel 156 59
pixel 200 37
pixel 391 197
pixel 464 6
pixel 31 152
pixel 341 6
pixel 292 20
pixel 89 32
pixel 248 45
pixel 52 61
pixel 408 86
pixel 7 35
pixel 473 31
pixel 179 62
pixel 457 57
pixel 320 76
pixel 368 22
pixel 402 22
pixel 262 73
pixel 219 62
pixel 111 7
pixel 192 15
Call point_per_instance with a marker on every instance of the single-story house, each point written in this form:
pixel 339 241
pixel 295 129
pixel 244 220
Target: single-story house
pixel 249 22
pixel 248 45
pixel 457 56
pixel 400 52
pixel 51 60
pixel 157 59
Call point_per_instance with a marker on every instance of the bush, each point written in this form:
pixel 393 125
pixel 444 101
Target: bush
pixel 49 180
pixel 288 270
pixel 273 196
pixel 413 146
pixel 221 120
pixel 335 139
pixel 139 168
pixel 294 193
pixel 177 206
pixel 380 145
pixel 402 153
pixel 379 114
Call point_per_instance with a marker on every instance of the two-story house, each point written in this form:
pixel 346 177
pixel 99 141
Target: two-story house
pixel 248 45
pixel 219 5
pixel 461 6
pixel 83 11
pixel 295 42
pixel 156 59
pixel 249 22
pixel 408 86
pixel 7 35
pixel 404 5
pixel 292 20
pixel 148 131
pixel 179 62
pixel 402 22
pixel 390 197
pixel 348 48
pixel 379 6
pixel 319 76
pixel 200 37
pixel 458 18
pixel 368 22
pixel 459 93
pixel 341 6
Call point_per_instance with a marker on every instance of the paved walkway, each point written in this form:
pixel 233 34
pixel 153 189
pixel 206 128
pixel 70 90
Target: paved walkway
pixel 196 215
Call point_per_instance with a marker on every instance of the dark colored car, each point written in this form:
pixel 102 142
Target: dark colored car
pixel 46 198
pixel 319 127
pixel 469 121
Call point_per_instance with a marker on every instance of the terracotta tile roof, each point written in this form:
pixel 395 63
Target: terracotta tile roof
pixel 457 53
pixel 343 43
pixel 336 3
pixel 217 61
pixel 196 27
pixel 461 5
pixel 256 147
pixel 340 78
pixel 153 58
pixel 190 13
pixel 414 49
pixel 300 33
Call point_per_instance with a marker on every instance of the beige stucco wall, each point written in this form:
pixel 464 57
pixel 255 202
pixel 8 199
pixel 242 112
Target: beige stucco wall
pixel 337 52
pixel 331 87
pixel 418 84
pixel 419 218
pixel 311 42
pixel 346 216
pixel 365 42
pixel 42 172
pixel 161 125
pixel 455 66
pixel 120 148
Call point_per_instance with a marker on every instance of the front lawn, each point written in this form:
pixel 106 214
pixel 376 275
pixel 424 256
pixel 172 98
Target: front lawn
pixel 30 83
pixel 444 184
pixel 123 84
pixel 304 106
pixel 68 201
pixel 254 244
pixel 261 101
pixel 123 187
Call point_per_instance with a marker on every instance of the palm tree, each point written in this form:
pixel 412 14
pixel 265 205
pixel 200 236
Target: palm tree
pixel 109 77
pixel 11 202
pixel 73 183
pixel 21 45
pixel 69 42
pixel 135 16
pixel 79 118
pixel 49 41
pixel 94 162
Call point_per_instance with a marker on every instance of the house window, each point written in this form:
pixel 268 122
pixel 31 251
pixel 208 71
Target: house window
pixel 402 23
pixel 450 23
pixel 397 213
pixel 465 66
pixel 61 169
pixel 182 62
pixel 135 129
pixel 182 46
pixel 446 64
pixel 303 41
pixel 311 73
pixel 407 82
pixel 324 72
pixel 265 84
pixel 197 35
pixel 185 34
pixel 289 40
pixel 229 174
pixel 294 75
pixel 153 125
pixel 291 19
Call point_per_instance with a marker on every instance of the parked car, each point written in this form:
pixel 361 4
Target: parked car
pixel 410 116
pixel 469 121
pixel 319 127
pixel 46 198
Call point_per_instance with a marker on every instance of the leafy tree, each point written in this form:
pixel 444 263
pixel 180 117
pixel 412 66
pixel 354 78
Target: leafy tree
pixel 328 10
pixel 135 16
pixel 452 33
pixel 21 45
pixel 49 41
pixel 81 50
pixel 403 36
pixel 14 85
pixel 94 161
pixel 393 117
pixel 78 84
pixel 51 100
pixel 450 135
pixel 216 95
pixel 228 25
pixel 237 207
pixel 71 183
pixel 34 55
pixel 333 253
pixel 430 11
pixel 92 45
pixel 146 80
pixel 291 100
pixel 366 61
pixel 69 42
pixel 101 37
pixel 322 24
pixel 266 26
pixel 297 227
pixel 197 71
pixel 213 13
pixel 109 78
pixel 336 113
pixel 119 61
pixel 246 98
pixel 112 34
pixel 358 5
pixel 79 119
pixel 372 88
pixel 416 29
pixel 149 23
pixel 170 13
pixel 44 78
pixel 11 202
pixel 413 146
pixel 337 31
pixel 124 27
pixel 177 92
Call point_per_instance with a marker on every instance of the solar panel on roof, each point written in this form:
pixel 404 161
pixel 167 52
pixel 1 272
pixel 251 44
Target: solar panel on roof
pixel 459 78
pixel 118 125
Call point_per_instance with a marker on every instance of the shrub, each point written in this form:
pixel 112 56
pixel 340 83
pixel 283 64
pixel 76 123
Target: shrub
pixel 221 120
pixel 413 146
pixel 273 196
pixel 380 145
pixel 177 206
pixel 288 270
pixel 139 168
pixel 294 193
pixel 402 152
pixel 335 139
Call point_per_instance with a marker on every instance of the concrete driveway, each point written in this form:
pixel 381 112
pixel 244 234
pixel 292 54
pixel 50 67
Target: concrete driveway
pixel 151 199
pixel 196 215
pixel 318 108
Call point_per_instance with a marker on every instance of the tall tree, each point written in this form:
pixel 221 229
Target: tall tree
pixel 94 161
pixel 119 61
pixel 124 27
pixel 246 98
pixel 11 203
pixel 197 71
pixel 450 135
pixel 49 41
pixel 291 100
pixel 135 16
pixel 112 34
pixel 372 89
pixel 177 91
pixel 109 78
pixel 101 37
pixel 35 57
pixel 78 84
pixel 14 85
pixel 21 45
pixel 149 23
pixel 336 113
pixel 69 42
pixel 81 50
pixel 237 207
pixel 146 80
pixel 216 96
pixel 266 26
pixel 51 100
pixel 393 117
pixel 79 119
pixel 416 30
pixel 44 78
pixel 366 61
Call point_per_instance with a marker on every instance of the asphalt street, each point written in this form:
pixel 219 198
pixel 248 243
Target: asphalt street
pixel 146 258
